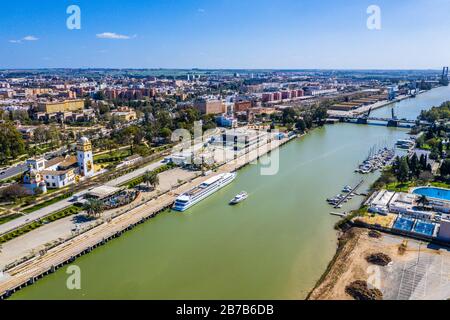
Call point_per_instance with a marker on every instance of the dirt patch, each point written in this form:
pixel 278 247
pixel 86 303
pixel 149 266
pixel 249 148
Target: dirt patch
pixel 359 290
pixel 379 259
pixel 374 234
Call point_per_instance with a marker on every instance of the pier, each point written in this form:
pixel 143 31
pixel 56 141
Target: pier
pixel 337 205
pixel 339 214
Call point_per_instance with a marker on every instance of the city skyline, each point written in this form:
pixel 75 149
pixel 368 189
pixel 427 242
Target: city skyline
pixel 225 35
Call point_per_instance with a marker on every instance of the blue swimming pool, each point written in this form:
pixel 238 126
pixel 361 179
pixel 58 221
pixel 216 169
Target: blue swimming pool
pixel 431 192
pixel 404 224
pixel 424 228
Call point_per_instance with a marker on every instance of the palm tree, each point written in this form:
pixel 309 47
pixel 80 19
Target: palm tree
pixel 94 207
pixel 423 201
pixel 150 179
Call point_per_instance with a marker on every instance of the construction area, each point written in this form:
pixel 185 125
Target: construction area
pixel 417 270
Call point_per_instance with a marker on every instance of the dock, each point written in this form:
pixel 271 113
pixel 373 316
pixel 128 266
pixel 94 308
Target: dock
pixel 348 194
pixel 339 214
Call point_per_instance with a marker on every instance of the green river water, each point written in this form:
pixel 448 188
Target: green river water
pixel 275 245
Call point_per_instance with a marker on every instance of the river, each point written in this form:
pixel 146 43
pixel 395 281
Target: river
pixel 275 245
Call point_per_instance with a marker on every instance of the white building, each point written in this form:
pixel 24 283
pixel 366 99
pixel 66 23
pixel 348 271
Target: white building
pixel 60 172
pixel 85 157
pixel 243 139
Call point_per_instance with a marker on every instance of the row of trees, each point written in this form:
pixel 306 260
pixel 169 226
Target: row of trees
pixel 302 119
pixel 407 168
pixel 441 112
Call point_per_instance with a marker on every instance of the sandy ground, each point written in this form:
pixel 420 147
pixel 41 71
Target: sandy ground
pixel 422 272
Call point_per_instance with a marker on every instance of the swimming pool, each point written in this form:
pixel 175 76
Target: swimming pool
pixel 404 224
pixel 425 228
pixel 437 193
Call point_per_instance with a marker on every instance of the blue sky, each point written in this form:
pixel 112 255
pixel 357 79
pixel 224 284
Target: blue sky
pixel 225 34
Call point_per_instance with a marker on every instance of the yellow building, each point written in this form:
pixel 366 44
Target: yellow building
pixel 124 115
pixel 61 106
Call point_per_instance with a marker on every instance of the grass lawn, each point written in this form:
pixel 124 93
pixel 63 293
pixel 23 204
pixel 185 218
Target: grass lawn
pixel 440 184
pixel 115 154
pixel 401 186
pixel 5 219
pixel 404 187
pixel 47 203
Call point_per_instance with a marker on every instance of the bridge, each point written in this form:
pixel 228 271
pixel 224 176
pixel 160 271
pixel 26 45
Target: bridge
pixel 390 122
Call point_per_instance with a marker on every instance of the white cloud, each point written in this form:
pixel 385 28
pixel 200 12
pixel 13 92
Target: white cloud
pixel 201 10
pixel 112 35
pixel 26 38
pixel 30 38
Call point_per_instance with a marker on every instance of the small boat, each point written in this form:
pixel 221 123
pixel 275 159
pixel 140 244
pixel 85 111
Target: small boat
pixel 239 198
pixel 347 189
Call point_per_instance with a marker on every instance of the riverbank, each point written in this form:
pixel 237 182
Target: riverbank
pixel 415 272
pixel 378 105
pixel 366 108
pixel 28 272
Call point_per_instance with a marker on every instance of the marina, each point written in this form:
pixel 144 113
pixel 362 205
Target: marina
pixel 349 193
pixel 376 160
pixel 249 244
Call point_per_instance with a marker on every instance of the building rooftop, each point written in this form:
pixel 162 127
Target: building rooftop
pixel 103 191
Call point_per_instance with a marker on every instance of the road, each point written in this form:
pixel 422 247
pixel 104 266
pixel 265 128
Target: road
pixel 22 167
pixel 13 171
pixel 16 223
pixel 136 173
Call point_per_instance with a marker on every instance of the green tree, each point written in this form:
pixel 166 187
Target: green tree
pixel 300 125
pixel 403 172
pixel 94 207
pixel 445 168
pixel 289 115
pixel 423 201
pixel 414 165
pixel 150 179
pixel 320 114
pixel 11 142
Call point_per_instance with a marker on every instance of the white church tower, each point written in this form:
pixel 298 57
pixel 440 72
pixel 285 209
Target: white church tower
pixel 85 158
